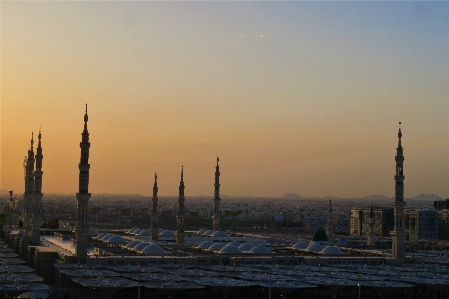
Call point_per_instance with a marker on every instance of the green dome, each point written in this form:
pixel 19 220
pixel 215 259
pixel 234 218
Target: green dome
pixel 319 235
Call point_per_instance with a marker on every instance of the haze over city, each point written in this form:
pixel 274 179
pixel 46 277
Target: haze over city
pixel 301 97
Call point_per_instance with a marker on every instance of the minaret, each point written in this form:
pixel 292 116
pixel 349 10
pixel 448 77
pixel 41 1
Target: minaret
pixel 36 220
pixel 82 197
pixel 154 228
pixel 398 234
pixel 329 229
pixel 29 188
pixel 216 216
pixel 180 234
pixel 371 238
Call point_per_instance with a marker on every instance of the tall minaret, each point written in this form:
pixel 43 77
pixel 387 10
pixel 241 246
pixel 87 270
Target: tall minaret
pixel 36 220
pixel 154 228
pixel 371 238
pixel 216 216
pixel 398 234
pixel 329 229
pixel 29 188
pixel 83 196
pixel 180 234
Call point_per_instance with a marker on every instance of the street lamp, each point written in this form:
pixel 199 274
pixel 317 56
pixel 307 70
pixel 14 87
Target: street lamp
pixel 138 289
pixel 269 288
pixel 360 286
pixel 6 277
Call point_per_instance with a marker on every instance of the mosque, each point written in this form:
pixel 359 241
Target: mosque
pixel 44 250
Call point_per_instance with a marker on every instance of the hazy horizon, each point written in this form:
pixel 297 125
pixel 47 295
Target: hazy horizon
pixel 288 196
pixel 295 97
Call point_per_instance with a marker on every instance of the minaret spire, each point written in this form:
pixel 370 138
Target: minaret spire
pixel 182 174
pixel 329 228
pixel 154 214
pixel 180 217
pixel 32 140
pixel 217 215
pixel 29 186
pixel 398 234
pixel 83 196
pixel 36 221
pixel 28 200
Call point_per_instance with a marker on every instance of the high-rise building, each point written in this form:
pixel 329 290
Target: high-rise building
pixel 398 234
pixel 154 226
pixel 83 196
pixel 180 216
pixel 383 221
pixel 371 239
pixel 441 205
pixel 216 216
pixel 356 222
pixel 421 224
pixel 36 220
pixel 443 224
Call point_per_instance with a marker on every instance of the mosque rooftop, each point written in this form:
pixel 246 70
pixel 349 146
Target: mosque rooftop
pixel 23 287
pixel 17 277
pixel 89 272
pixel 177 276
pixel 105 282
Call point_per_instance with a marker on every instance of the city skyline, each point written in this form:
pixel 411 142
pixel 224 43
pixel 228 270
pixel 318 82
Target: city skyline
pixel 294 97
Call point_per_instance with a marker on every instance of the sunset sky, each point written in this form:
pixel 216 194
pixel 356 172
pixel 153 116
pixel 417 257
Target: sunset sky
pixel 300 97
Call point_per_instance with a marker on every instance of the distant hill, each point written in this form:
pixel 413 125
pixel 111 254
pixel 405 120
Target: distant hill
pixel 291 195
pixel 376 197
pixel 117 195
pixel 427 197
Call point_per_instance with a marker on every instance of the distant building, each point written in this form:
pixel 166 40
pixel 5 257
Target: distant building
pixel 250 216
pixel 279 217
pixel 441 205
pixel 383 219
pixel 443 224
pixel 421 224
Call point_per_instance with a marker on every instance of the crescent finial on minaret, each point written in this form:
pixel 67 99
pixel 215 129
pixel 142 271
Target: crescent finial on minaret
pixel 86 118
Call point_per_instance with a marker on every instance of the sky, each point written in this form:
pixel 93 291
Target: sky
pixel 294 97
